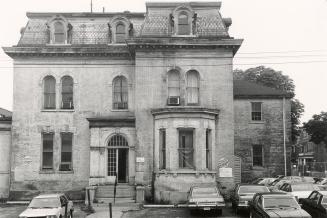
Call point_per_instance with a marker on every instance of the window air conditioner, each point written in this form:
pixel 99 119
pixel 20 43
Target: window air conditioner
pixel 173 100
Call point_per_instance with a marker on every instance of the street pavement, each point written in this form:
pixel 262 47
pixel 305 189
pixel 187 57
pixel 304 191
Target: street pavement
pixel 12 211
pixel 180 213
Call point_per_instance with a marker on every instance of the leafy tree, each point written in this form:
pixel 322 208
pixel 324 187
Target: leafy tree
pixel 317 128
pixel 275 79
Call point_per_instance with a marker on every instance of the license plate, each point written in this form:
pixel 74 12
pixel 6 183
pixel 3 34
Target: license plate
pixel 206 208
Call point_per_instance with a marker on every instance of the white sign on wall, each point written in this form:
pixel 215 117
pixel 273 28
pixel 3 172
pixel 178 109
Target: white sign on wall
pixel 139 159
pixel 225 172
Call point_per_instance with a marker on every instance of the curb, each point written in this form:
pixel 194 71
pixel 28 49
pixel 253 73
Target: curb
pixel 165 206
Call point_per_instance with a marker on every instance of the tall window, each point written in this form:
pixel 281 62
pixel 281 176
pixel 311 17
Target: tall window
pixel 192 87
pixel 208 149
pixel 184 27
pixel 257 154
pixel 185 149
pixel 59 33
pixel 162 149
pixel 66 151
pixel 67 92
pixel 47 150
pixel 173 84
pixel 120 33
pixel 256 114
pixel 120 100
pixel 49 91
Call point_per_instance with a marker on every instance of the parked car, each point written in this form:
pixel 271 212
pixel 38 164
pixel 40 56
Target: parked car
pixel 275 185
pixel 275 204
pixel 316 204
pixel 50 206
pixel 205 198
pixel 243 193
pixel 299 190
pixel 263 181
pixel 322 181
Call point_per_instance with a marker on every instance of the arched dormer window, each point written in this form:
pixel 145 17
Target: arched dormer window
pixel 192 87
pixel 120 33
pixel 59 35
pixel 184 25
pixel 173 83
pixel 120 91
pixel 67 92
pixel 49 92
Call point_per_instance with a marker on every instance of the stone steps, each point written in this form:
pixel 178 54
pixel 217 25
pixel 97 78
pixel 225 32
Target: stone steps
pixel 122 191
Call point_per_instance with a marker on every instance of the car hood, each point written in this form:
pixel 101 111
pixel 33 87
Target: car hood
pixel 287 213
pixel 30 212
pixel 206 199
pixel 301 194
pixel 246 197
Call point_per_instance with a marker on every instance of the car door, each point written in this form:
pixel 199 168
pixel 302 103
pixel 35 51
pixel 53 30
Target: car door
pixel 254 206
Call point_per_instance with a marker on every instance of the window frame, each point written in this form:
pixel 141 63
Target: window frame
pixel 71 152
pixel 162 149
pixel 208 149
pixel 48 95
pixel 189 88
pixel 192 131
pixel 188 25
pixel 255 156
pixel 121 93
pixel 43 168
pixel 253 115
pixel 62 93
pixel 170 83
pixel 125 32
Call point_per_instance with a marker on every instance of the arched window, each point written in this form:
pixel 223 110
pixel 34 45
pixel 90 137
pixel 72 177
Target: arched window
pixel 173 84
pixel 59 33
pixel 120 33
pixel 120 99
pixel 49 92
pixel 67 92
pixel 118 141
pixel 184 27
pixel 192 87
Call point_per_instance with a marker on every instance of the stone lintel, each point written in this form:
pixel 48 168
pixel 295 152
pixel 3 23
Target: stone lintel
pixel 100 122
pixel 184 110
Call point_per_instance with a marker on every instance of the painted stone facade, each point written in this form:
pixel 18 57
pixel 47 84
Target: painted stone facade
pixel 149 100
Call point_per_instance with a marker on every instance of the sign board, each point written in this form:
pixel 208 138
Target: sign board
pixel 139 159
pixel 225 172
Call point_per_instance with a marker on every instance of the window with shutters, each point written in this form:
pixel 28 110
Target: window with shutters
pixel 67 92
pixel 185 148
pixel 173 83
pixel 47 151
pixel 184 26
pixel 257 155
pixel 256 113
pixel 120 33
pixel 120 91
pixel 162 149
pixel 49 92
pixel 192 87
pixel 66 151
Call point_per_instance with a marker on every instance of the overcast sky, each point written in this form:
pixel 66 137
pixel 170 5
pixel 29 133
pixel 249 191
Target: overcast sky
pixel 286 35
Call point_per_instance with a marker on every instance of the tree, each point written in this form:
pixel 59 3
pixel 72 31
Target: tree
pixel 317 128
pixel 275 79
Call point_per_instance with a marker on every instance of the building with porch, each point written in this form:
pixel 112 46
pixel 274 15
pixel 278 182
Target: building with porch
pixel 144 98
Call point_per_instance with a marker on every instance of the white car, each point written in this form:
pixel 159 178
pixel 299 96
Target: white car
pixel 299 190
pixel 49 206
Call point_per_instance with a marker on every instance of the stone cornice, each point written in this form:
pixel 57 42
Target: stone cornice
pixel 85 14
pixel 184 110
pixel 68 51
pixel 288 96
pixel 99 122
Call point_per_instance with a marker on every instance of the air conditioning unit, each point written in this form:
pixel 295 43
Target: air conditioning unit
pixel 65 167
pixel 173 100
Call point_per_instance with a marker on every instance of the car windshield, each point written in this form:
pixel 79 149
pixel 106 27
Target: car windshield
pixel 252 189
pixel 304 187
pixel 44 202
pixel 279 202
pixel 274 182
pixel 204 191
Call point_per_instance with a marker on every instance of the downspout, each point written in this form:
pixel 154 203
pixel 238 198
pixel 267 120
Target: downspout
pixel 284 137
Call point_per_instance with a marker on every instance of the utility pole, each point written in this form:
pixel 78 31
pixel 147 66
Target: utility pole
pixel 91 6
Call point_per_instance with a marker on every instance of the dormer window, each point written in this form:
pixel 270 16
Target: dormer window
pixel 120 33
pixel 59 33
pixel 184 27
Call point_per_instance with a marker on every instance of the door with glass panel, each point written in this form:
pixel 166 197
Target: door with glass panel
pixel 118 159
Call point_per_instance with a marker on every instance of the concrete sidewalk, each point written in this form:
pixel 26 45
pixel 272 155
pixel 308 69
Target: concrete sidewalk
pixel 102 210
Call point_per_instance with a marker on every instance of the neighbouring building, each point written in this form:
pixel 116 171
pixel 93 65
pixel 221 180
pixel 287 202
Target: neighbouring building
pixel 5 146
pixel 146 98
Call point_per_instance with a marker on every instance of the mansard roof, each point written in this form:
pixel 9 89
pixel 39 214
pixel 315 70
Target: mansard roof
pixel 245 90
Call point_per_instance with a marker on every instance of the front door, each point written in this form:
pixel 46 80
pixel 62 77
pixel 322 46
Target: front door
pixel 118 159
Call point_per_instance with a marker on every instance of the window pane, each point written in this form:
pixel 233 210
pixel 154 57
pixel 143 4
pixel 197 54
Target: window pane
pixel 120 98
pixel 66 151
pixel 173 84
pixel 162 149
pixel 59 33
pixel 256 111
pixel 49 92
pixel 120 33
pixel 192 87
pixel 183 25
pixel 47 153
pixel 186 149
pixel 257 155
pixel 208 149
pixel 67 93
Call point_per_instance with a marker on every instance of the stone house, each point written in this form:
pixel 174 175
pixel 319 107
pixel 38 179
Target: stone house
pixel 144 98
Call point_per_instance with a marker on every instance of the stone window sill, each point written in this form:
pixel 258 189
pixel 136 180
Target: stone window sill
pixel 257 122
pixel 46 171
pixel 55 172
pixel 58 110
pixel 119 110
pixel 66 172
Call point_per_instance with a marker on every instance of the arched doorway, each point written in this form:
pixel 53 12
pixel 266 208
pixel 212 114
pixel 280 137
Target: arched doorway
pixel 118 158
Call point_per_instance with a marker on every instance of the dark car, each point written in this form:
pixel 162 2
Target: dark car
pixel 243 193
pixel 316 204
pixel 275 204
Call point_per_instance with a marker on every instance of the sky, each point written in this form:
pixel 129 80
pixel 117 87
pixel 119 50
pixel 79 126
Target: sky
pixel 286 35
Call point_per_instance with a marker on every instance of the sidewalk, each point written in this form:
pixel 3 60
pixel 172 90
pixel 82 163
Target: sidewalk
pixel 102 210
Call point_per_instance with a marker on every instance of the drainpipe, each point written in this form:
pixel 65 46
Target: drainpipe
pixel 284 137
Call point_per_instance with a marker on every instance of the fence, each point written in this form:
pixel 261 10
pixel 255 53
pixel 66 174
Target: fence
pixel 318 169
